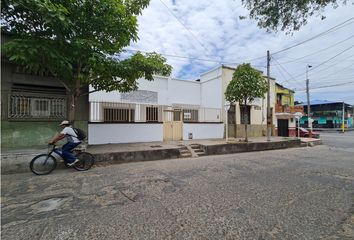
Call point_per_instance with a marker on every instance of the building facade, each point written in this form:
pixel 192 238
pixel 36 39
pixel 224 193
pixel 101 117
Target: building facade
pixel 32 106
pixel 285 112
pixel 328 114
pixel 173 109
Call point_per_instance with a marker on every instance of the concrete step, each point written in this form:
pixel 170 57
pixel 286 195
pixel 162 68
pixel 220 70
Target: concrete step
pixel 186 155
pixel 198 151
pixel 184 151
pixel 194 145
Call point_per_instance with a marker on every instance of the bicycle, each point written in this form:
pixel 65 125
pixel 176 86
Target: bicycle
pixel 45 163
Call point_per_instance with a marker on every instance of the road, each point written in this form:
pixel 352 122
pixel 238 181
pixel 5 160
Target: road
pixel 338 139
pixel 300 193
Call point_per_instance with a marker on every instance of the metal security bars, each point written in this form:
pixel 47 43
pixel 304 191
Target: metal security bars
pixel 36 107
pixel 152 114
pixel 119 112
pixel 112 112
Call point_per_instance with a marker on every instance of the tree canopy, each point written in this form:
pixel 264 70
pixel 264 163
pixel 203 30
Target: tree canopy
pixel 287 15
pixel 247 84
pixel 79 42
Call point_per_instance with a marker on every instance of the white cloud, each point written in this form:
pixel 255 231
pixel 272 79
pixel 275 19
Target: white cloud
pixel 215 25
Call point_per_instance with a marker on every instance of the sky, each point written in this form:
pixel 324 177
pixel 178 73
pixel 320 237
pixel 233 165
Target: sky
pixel 197 36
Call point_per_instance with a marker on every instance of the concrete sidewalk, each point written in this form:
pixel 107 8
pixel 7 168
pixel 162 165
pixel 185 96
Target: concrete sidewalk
pixel 17 161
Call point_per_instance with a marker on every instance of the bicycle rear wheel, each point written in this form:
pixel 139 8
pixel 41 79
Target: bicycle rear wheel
pixel 86 161
pixel 43 164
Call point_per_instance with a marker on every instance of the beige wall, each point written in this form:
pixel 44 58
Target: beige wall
pixel 258 117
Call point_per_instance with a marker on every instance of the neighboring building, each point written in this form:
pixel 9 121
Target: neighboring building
pixel 256 111
pixel 328 114
pixel 285 111
pixel 32 106
pixel 173 109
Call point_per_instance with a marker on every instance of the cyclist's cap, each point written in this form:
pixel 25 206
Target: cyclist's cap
pixel 65 122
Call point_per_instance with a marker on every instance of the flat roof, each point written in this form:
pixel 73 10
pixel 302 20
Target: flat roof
pixel 320 102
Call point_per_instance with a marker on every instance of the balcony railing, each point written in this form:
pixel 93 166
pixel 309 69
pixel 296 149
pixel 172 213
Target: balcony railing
pixel 288 109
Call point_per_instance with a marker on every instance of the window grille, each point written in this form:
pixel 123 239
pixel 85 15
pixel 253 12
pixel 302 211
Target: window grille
pixel 152 114
pixel 245 114
pixel 231 113
pixel 119 115
pixel 190 115
pixel 36 107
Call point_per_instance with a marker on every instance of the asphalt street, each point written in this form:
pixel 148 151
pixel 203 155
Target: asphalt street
pixel 299 193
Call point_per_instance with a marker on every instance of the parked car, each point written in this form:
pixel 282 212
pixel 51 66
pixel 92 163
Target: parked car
pixel 305 133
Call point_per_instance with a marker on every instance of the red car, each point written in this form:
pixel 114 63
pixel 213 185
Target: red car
pixel 305 133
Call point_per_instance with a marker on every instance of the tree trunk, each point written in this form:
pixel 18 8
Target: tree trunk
pixel 245 121
pixel 71 105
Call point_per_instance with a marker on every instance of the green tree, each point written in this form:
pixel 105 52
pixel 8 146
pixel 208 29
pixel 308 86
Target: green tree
pixel 247 84
pixel 288 15
pixel 79 43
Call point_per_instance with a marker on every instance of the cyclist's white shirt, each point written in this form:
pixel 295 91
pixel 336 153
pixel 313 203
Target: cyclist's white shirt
pixel 70 134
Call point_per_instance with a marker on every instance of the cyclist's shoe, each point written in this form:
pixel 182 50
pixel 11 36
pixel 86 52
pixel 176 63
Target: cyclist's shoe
pixel 73 163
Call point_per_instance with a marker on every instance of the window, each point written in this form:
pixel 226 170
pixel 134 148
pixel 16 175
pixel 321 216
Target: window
pixel 36 107
pixel 118 115
pixel 245 114
pixel 152 114
pixel 41 107
pixel 177 114
pixel 231 113
pixel 190 115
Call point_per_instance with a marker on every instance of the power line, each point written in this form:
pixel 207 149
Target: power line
pixel 327 86
pixel 311 69
pixel 190 58
pixel 171 12
pixel 295 60
pixel 316 36
pixel 332 79
pixel 281 67
pixel 332 29
pixel 340 70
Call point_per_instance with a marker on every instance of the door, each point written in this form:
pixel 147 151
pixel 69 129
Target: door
pixel 172 125
pixel 283 127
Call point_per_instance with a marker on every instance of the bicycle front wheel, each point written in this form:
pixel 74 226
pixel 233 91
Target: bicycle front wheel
pixel 43 164
pixel 86 161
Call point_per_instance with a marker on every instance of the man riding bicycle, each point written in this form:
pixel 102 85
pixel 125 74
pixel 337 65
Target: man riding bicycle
pixel 72 142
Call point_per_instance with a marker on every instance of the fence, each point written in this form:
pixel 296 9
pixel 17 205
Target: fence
pixel 118 112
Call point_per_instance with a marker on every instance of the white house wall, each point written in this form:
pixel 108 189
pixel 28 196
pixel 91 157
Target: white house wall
pixel 124 133
pixel 203 131
pixel 183 92
pixel 211 93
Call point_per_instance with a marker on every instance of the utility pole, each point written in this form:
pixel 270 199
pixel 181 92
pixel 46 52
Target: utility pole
pixel 269 119
pixel 343 118
pixel 309 123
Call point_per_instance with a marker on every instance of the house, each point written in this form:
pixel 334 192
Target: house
pixel 165 109
pixel 256 112
pixel 285 110
pixel 173 109
pixel 328 114
pixel 32 106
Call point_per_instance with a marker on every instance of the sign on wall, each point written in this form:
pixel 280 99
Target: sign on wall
pixel 142 96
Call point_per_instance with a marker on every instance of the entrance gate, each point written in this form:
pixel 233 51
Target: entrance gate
pixel 172 125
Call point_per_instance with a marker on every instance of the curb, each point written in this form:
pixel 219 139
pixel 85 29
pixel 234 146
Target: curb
pixel 19 163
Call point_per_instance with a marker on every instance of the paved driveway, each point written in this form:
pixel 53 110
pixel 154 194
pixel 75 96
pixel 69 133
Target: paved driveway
pixel 302 193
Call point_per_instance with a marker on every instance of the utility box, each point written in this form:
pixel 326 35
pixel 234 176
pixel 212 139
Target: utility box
pixel 190 135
